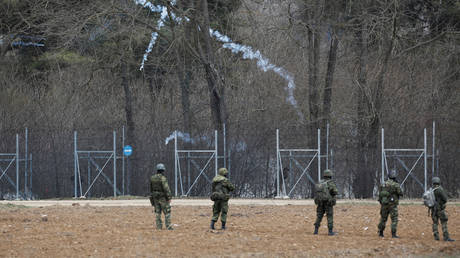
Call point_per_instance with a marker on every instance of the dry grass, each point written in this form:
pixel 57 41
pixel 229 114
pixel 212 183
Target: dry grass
pixel 261 231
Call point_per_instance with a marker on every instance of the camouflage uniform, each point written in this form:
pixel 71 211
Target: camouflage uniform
pixel 161 198
pixel 326 206
pixel 390 208
pixel 221 188
pixel 438 212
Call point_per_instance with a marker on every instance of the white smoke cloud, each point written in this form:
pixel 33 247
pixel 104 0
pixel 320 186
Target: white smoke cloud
pixel 185 137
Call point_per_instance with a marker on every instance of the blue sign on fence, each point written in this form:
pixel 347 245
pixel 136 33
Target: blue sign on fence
pixel 127 150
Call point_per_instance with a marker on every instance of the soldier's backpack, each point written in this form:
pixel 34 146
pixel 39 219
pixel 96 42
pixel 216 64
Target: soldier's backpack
pixel 384 194
pixel 156 186
pixel 429 200
pixel 218 193
pixel 322 192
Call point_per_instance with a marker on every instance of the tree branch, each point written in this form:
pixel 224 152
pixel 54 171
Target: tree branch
pixel 419 45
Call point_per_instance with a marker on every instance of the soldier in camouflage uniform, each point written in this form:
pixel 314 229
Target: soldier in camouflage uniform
pixel 438 212
pixel 221 188
pixel 326 205
pixel 161 197
pixel 389 194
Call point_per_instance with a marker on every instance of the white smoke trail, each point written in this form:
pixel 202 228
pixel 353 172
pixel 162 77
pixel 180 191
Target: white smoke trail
pixel 262 62
pixel 152 7
pixel 156 9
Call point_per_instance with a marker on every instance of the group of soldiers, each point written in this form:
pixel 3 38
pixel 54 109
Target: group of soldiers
pixel 389 194
pixel 325 200
pixel 160 197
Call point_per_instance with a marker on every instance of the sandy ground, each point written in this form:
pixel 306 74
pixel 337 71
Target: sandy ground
pixel 191 202
pixel 256 228
pixel 146 202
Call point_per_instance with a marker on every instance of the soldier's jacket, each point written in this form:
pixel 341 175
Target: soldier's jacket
pixel 159 187
pixel 221 188
pixel 332 189
pixel 441 197
pixel 394 189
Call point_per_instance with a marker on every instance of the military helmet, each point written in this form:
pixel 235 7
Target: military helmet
pixel 223 171
pixel 436 180
pixel 392 174
pixel 327 173
pixel 161 167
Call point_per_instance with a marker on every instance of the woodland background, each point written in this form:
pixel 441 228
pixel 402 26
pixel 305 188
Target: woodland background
pixel 358 65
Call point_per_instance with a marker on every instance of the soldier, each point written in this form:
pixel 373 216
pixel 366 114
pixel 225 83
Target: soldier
pixel 221 188
pixel 389 194
pixel 325 199
pixel 438 212
pixel 161 197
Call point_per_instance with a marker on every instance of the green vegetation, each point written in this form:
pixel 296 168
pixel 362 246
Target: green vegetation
pixel 8 206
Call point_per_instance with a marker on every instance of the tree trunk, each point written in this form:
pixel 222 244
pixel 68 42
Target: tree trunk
pixel 376 112
pixel 130 133
pixel 361 178
pixel 327 96
pixel 128 102
pixel 56 169
pixel 313 36
pixel 184 74
pixel 213 77
pixel 313 90
pixel 369 115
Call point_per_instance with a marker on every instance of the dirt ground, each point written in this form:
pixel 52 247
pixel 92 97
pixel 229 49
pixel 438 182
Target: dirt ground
pixel 270 229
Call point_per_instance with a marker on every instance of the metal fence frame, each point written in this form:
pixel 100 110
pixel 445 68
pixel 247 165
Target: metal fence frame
pixel 11 158
pixel 292 154
pixel 108 155
pixel 400 154
pixel 212 154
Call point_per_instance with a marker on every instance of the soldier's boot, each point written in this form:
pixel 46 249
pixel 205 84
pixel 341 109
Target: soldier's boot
pixel 393 234
pixel 168 222
pixel 223 225
pixel 381 228
pixel 158 221
pixel 159 224
pixel 316 230
pixel 331 233
pixel 435 231
pixel 445 232
pixel 212 224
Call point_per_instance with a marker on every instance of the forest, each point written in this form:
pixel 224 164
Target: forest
pixel 244 68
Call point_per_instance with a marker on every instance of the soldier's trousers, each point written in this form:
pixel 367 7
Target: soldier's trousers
pixel 325 207
pixel 162 205
pixel 220 207
pixel 440 215
pixel 386 210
